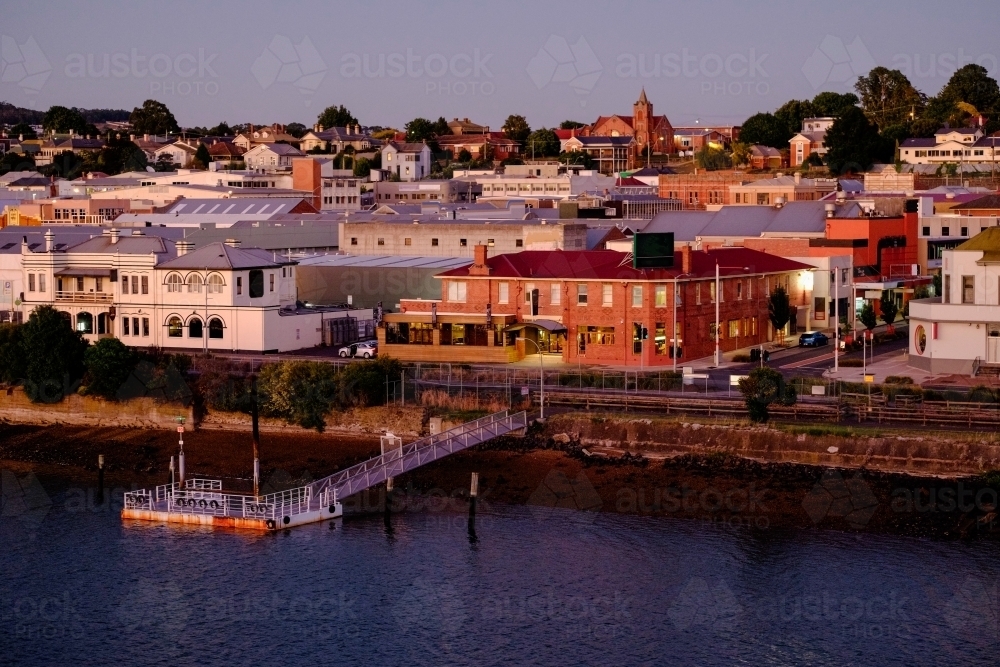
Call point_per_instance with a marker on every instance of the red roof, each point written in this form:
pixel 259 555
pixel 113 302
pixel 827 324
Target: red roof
pixel 613 265
pixel 563 135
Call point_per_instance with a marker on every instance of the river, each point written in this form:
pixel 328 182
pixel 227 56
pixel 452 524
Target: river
pixel 535 586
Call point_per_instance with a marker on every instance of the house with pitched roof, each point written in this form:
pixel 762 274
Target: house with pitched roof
pixel 951 145
pixel 809 140
pixel 407 161
pixel 652 133
pixel 336 139
pixel 271 156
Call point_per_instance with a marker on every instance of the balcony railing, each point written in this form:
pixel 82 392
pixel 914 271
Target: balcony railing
pixel 84 297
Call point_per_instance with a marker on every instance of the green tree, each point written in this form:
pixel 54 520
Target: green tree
pixel 53 354
pixel 362 167
pixel 741 153
pixel 153 118
pixel 440 127
pixel 790 115
pixel 464 156
pixel 62 119
pixel 336 116
pixel 973 85
pixel 571 125
pixel 712 159
pixel 867 316
pixel 202 156
pixel 419 129
pixel 16 162
pixel 364 383
pixel 833 104
pixel 762 387
pixel 516 128
pixel 853 144
pixel 66 164
pixel 297 130
pixel 766 130
pixel 779 310
pixel 888 97
pixel 108 363
pixel 22 130
pixel 580 158
pixel 164 163
pixel 221 130
pixel 542 143
pixel 887 305
pixel 12 361
pixel 300 392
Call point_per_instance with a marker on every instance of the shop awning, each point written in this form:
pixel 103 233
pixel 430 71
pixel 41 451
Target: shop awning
pixel 549 325
pixel 86 271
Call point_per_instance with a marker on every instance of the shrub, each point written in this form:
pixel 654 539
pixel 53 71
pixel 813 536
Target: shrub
pixel 364 382
pixel 52 353
pixel 12 364
pixel 300 392
pixel 761 388
pixel 852 363
pixel 898 379
pixel 741 358
pixel 109 363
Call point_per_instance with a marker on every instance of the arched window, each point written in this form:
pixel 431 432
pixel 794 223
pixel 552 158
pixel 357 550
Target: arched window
pixel 85 323
pixel 194 328
pixel 215 284
pixel 174 283
pixel 215 328
pixel 175 328
pixel 194 282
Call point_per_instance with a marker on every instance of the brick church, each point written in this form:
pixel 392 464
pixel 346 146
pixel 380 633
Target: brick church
pixel 648 130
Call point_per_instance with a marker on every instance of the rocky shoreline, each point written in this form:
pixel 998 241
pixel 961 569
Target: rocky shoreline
pixel 544 470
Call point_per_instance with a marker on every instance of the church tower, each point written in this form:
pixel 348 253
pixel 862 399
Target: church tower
pixel 642 120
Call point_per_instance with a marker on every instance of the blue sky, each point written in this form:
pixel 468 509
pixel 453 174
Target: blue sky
pixel 715 61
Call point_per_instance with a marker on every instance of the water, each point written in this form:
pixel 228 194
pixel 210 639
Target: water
pixel 536 587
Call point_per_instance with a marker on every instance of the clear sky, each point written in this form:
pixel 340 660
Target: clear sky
pixel 713 61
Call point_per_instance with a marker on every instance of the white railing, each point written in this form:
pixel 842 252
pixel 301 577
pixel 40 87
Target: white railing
pixel 203 496
pixel 200 484
pixel 85 297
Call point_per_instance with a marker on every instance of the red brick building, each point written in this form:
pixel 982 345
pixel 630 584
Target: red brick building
pixel 704 188
pixel 650 131
pixel 592 307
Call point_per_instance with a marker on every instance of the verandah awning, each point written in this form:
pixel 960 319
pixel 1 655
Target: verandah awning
pixel 549 325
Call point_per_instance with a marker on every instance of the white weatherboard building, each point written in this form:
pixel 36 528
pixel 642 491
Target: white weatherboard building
pixel 146 291
pixel 959 332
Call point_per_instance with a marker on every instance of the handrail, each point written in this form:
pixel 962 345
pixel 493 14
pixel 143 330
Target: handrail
pixel 976 363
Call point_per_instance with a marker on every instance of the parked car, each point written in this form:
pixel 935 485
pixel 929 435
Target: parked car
pixel 813 339
pixel 366 349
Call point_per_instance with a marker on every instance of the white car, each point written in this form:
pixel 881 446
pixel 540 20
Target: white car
pixel 365 349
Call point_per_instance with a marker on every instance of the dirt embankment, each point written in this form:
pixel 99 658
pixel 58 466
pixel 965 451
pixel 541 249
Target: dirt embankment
pixel 542 471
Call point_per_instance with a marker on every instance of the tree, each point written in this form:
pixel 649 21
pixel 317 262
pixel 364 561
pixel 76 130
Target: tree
pixel 22 130
pixel 766 130
pixel 336 116
pixel 16 162
pixel 542 143
pixel 53 354
pixel 853 144
pixel 516 128
pixel 297 130
pixel 61 120
pixel 762 387
pixel 973 85
pixel 109 363
pixel 571 125
pixel 419 129
pixel 888 97
pixel 300 392
pixel 791 114
pixel 164 163
pixel 779 310
pixel 12 361
pixel 202 156
pixel 440 127
pixel 65 164
pixel 579 158
pixel 833 104
pixel 712 159
pixel 153 118
pixel 887 305
pixel 363 384
pixel 220 130
pixel 464 155
pixel 742 153
pixel 362 167
pixel 867 316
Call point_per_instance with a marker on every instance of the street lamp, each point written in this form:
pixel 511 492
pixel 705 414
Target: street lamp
pixel 541 374
pixel 718 299
pixel 673 341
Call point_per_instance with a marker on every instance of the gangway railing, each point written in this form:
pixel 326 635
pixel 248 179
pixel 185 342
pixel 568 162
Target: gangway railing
pixel 415 454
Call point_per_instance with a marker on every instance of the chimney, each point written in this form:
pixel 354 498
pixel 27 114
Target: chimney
pixel 183 247
pixel 50 240
pixel 131 137
pixel 830 208
pixel 114 235
pixel 479 266
pixel 798 177
pixel 685 258
pixel 233 243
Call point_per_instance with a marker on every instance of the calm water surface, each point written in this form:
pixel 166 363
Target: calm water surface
pixel 80 587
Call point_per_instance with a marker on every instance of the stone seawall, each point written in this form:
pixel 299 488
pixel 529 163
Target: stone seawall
pixel 76 410
pixel 925 453
pixel 404 422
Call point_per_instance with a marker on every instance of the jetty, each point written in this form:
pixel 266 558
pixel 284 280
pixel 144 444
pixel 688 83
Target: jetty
pixel 202 501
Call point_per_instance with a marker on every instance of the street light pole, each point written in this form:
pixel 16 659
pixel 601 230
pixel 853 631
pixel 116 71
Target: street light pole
pixel 717 299
pixel 836 322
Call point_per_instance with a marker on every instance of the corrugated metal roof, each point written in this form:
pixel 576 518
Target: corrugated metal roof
pixel 386 261
pixel 221 256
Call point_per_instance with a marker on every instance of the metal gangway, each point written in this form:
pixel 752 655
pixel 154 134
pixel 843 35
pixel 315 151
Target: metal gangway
pixel 198 497
pixel 396 461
